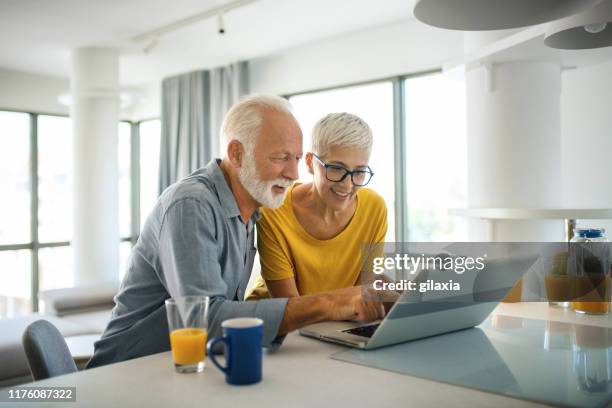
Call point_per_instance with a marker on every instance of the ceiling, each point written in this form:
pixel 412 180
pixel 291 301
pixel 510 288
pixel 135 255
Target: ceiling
pixel 37 35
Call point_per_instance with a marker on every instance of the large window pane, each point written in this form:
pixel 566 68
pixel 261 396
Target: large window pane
pixel 374 104
pixel 55 268
pixel 150 133
pixel 436 158
pixel 54 178
pixel 124 145
pixel 15 178
pixel 15 283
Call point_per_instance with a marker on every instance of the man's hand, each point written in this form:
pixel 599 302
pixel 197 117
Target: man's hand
pixel 342 304
pixel 348 304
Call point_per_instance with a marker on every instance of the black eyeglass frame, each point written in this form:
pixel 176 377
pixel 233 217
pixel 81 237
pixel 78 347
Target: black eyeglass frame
pixel 346 172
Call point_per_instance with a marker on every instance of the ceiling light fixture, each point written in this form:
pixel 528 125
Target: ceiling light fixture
pixel 478 15
pixel 590 29
pixel 153 35
pixel 595 28
pixel 220 24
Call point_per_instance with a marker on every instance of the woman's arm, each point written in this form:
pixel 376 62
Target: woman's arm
pixel 283 288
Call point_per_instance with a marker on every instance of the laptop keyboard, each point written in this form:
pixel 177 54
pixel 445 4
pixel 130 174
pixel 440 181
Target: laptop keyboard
pixel 363 331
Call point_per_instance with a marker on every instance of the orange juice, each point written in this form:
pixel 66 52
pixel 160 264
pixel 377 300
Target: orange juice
pixel 558 288
pixel 591 294
pixel 188 345
pixel 591 307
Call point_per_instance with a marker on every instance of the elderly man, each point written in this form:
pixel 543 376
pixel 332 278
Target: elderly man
pixel 198 240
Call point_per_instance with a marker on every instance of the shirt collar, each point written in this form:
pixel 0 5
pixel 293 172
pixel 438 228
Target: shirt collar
pixel 226 197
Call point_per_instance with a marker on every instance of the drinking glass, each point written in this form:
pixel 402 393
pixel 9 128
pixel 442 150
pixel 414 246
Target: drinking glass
pixel 187 323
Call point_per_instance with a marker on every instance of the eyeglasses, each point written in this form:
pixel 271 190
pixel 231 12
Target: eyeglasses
pixel 336 173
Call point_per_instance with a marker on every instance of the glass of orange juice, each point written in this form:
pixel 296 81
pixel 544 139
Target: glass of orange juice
pixel 591 285
pixel 187 323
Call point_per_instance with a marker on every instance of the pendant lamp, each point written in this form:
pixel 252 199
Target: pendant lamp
pixel 590 29
pixel 478 15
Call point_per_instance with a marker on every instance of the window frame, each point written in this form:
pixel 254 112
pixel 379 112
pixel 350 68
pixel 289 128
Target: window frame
pixel 34 245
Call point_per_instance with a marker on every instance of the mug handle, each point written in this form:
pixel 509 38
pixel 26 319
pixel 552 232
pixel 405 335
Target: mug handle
pixel 209 350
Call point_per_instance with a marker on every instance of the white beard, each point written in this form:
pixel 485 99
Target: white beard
pixel 261 190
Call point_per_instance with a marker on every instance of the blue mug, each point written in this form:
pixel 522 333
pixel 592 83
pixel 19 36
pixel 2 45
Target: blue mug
pixel 243 342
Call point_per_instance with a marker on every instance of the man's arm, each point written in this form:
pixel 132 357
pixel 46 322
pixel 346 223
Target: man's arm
pixel 341 304
pixel 188 245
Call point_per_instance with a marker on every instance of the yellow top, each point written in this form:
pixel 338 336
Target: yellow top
pixel 286 250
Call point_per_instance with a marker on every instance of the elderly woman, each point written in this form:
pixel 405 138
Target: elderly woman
pixel 314 241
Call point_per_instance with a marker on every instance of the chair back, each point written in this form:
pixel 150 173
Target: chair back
pixel 46 351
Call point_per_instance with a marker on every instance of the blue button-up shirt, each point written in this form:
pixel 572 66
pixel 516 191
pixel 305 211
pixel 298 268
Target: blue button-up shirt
pixel 193 243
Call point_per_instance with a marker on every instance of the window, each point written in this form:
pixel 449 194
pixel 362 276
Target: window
pixel 15 282
pixel 125 184
pixel 15 178
pixel 374 104
pixel 54 179
pixel 54 202
pixel 436 157
pixel 433 166
pixel 55 267
pixel 31 263
pixel 15 219
pixel 150 139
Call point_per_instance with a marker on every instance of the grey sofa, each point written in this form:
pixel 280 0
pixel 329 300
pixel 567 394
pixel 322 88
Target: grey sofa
pixel 80 314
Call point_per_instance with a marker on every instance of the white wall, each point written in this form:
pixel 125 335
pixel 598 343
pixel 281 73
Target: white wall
pixel 586 131
pixel 30 92
pixel 396 49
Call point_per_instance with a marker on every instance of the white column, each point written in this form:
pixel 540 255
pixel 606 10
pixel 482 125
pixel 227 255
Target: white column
pixel 514 145
pixel 587 143
pixel 95 116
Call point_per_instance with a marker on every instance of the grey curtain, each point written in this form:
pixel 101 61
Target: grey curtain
pixel 227 85
pixel 193 106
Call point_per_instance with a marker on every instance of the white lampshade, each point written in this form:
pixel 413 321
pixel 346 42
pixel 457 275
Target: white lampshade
pixel 478 15
pixel 590 29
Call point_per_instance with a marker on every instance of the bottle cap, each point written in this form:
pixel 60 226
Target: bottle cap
pixel 589 232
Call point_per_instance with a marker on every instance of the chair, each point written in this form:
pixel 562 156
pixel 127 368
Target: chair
pixel 46 351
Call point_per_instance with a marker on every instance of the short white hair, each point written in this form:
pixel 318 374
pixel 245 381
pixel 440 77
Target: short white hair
pixel 243 120
pixel 341 130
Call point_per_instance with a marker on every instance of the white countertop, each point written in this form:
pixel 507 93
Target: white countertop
pixel 300 374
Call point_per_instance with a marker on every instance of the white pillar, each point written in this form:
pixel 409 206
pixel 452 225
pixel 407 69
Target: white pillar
pixel 514 145
pixel 95 116
pixel 587 144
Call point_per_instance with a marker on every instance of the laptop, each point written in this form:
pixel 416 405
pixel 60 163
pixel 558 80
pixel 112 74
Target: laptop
pixel 430 315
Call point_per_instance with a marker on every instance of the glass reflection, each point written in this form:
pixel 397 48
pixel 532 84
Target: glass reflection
pixel 558 336
pixel 593 358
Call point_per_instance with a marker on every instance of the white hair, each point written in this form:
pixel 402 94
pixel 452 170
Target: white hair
pixel 243 120
pixel 341 130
